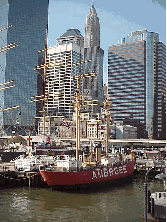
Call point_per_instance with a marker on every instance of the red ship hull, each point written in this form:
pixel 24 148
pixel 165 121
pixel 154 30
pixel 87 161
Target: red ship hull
pixel 80 178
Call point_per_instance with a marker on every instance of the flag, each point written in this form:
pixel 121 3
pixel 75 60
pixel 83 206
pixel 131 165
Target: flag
pixel 64 123
pixel 74 100
pixel 43 144
pixel 48 139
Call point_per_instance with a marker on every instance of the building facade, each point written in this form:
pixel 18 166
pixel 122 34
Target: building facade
pixel 159 122
pixel 60 85
pixel 132 72
pixel 29 20
pixel 93 87
pixel 3 42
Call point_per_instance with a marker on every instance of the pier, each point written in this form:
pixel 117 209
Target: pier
pixel 141 166
pixel 9 177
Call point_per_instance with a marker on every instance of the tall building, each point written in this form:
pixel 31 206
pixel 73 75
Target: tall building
pixel 29 20
pixel 3 42
pixel 159 124
pixel 93 87
pixel 133 75
pixel 60 85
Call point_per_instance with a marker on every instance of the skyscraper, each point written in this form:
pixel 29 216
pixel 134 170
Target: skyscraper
pixel 29 20
pixel 60 85
pixel 93 87
pixel 159 123
pixel 132 74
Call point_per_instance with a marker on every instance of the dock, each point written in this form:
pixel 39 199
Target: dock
pixel 143 165
pixel 9 177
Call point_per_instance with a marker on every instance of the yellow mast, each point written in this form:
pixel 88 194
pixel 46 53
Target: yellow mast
pixel 107 125
pixel 107 105
pixel 78 100
pixel 44 78
pixel 78 106
pixel 77 120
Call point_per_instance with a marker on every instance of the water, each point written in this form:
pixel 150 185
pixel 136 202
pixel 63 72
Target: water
pixel 116 204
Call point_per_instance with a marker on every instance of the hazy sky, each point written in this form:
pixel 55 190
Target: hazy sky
pixel 117 19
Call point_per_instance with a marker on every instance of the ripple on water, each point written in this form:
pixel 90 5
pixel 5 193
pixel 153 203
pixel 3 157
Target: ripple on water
pixel 124 203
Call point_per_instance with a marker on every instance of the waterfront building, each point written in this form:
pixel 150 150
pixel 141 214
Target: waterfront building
pixel 60 85
pixel 136 123
pixel 134 78
pixel 93 87
pixel 47 127
pixel 92 129
pixel 29 20
pixel 117 131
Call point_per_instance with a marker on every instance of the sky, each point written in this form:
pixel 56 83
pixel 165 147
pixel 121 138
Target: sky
pixel 117 19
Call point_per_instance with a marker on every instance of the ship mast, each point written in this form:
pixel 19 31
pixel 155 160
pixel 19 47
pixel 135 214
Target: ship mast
pixel 44 78
pixel 45 96
pixel 42 97
pixel 9 84
pixel 78 118
pixel 107 105
pixel 78 106
pixel 107 125
pixel 78 99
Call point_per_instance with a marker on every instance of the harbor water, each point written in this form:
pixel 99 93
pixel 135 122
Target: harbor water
pixel 124 203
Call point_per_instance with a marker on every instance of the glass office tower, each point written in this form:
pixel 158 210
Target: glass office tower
pixel 131 78
pixel 29 20
pixel 126 81
pixel 159 124
pixel 3 42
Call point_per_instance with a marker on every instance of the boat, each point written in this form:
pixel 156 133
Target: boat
pixel 159 205
pixel 159 199
pixel 156 210
pixel 77 173
pixel 26 163
pixel 72 174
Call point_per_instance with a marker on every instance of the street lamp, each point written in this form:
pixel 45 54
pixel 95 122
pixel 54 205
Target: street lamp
pixel 145 189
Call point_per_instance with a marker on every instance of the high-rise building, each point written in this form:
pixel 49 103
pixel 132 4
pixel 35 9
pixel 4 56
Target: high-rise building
pixel 159 123
pixel 93 87
pixel 3 42
pixel 66 58
pixel 133 75
pixel 29 20
pixel 92 29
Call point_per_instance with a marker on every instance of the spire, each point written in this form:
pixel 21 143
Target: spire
pixel 92 28
pixel 92 9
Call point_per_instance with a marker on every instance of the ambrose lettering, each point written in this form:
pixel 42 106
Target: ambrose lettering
pixel 105 172
pixel 116 170
pixel 124 169
pixel 94 175
pixel 100 173
pixel 120 169
pixel 111 171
